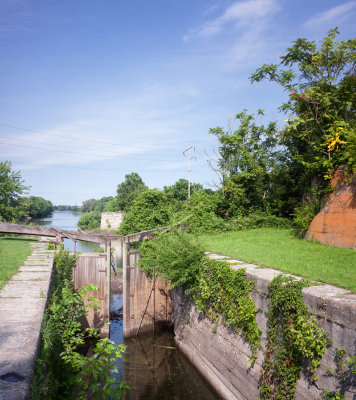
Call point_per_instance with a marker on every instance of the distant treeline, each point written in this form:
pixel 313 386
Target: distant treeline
pixel 38 206
pixel 67 208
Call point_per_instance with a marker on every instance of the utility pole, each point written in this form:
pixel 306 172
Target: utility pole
pixel 189 170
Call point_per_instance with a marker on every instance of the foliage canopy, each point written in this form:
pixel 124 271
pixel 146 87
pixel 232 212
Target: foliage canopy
pixel 12 187
pixel 127 192
pixel 151 209
pixel 320 133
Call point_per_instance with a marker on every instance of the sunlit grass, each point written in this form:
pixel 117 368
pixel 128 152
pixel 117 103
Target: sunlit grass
pixel 13 252
pixel 280 249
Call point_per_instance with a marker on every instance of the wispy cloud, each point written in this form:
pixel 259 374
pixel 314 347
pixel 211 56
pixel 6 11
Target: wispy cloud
pixel 242 14
pixel 148 126
pixel 333 16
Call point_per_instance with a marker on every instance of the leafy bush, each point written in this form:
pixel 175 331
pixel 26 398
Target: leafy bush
pixel 151 209
pixel 304 214
pixel 202 208
pixel 176 257
pixel 90 220
pixel 260 220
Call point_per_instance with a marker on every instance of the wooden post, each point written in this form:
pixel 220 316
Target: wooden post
pixel 107 287
pixel 126 284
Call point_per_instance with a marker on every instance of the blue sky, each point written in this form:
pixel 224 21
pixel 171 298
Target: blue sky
pixel 92 90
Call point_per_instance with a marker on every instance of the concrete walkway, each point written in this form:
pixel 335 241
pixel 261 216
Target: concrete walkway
pixel 22 304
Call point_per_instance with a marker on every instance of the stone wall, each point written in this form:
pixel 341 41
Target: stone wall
pixel 111 220
pixel 223 357
pixel 335 225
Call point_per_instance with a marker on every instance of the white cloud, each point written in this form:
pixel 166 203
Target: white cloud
pixel 332 16
pixel 134 128
pixel 242 14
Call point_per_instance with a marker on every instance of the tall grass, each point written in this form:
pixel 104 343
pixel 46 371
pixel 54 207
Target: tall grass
pixel 13 252
pixel 278 248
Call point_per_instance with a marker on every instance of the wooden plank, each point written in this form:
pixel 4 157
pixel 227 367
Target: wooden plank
pixel 103 238
pixel 138 236
pixel 88 270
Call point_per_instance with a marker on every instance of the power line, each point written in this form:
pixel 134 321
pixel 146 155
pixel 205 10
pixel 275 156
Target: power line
pixel 81 152
pixel 80 139
pixel 100 169
pixel 58 145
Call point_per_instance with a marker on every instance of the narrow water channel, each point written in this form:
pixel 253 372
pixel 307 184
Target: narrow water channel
pixel 152 365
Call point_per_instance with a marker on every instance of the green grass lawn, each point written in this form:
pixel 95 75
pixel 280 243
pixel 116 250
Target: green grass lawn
pixel 280 249
pixel 13 252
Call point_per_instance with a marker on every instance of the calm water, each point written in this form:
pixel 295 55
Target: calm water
pixel 66 220
pixel 152 365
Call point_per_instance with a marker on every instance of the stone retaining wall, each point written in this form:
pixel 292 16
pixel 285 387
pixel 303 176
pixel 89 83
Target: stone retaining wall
pixel 223 357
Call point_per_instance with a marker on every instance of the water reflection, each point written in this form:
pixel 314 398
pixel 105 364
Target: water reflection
pixel 155 368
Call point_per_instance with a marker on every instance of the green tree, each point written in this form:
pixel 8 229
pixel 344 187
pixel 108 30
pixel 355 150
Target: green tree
pixel 102 203
pixel 320 133
pixel 179 190
pixel 38 206
pixel 12 206
pixel 247 156
pixel 89 205
pixel 127 192
pixel 151 209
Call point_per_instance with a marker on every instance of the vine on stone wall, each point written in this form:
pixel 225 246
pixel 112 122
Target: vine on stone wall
pixel 224 293
pixel 293 336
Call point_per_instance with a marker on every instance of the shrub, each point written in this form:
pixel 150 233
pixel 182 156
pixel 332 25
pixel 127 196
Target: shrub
pixel 260 220
pixel 151 209
pixel 305 213
pixel 202 208
pixel 177 257
pixel 90 220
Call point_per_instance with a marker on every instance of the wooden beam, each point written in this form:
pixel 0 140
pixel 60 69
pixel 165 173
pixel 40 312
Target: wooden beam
pixel 7 227
pixel 137 237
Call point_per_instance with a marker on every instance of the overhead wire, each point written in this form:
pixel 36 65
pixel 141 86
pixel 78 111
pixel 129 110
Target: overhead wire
pixel 87 153
pixel 79 139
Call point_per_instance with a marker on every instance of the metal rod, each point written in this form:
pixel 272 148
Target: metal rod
pixel 143 315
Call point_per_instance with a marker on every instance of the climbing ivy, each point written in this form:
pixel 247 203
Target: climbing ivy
pixel 225 294
pixel 293 336
pixel 218 290
pixel 62 372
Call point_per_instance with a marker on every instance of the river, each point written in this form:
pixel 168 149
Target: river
pixel 152 365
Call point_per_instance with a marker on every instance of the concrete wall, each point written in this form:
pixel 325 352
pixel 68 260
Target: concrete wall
pixel 223 357
pixel 111 220
pixel 335 225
